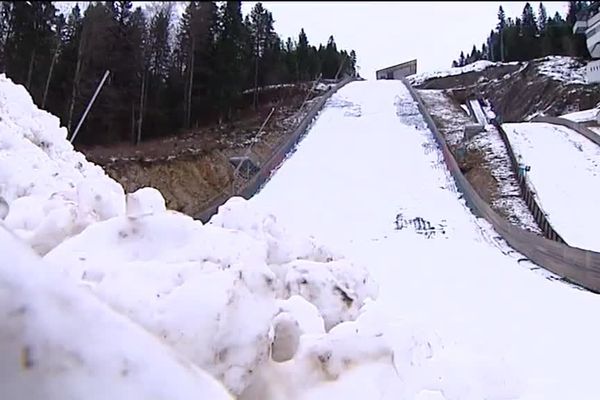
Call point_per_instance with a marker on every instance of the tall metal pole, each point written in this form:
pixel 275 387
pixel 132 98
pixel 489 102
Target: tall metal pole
pixel 89 105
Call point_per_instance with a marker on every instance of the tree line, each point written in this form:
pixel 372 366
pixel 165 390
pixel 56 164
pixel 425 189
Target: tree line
pixel 530 36
pixel 165 75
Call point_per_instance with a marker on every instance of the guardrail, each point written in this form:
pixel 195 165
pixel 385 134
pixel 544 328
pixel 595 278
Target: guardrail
pixel 526 193
pixel 272 164
pixel 582 130
pixel 579 266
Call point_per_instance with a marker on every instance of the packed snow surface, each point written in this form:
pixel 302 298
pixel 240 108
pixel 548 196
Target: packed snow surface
pixel 565 175
pixel 465 320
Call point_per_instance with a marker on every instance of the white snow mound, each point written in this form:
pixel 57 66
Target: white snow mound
pixel 60 342
pixel 199 286
pixel 50 190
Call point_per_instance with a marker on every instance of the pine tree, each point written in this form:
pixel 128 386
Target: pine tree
pixel 159 80
pixel 6 28
pixel 197 59
pixel 542 17
pixel 302 56
pixel 30 43
pixel 353 61
pixel 330 60
pixel 263 42
pixel 230 54
pixel 501 19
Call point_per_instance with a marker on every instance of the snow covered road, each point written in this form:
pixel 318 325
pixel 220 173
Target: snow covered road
pixel 466 321
pixel 565 174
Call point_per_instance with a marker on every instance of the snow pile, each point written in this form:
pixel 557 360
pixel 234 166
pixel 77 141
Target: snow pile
pixel 234 297
pixel 50 191
pixel 582 116
pixel 270 87
pixel 199 286
pixel 323 87
pixel 477 66
pixel 564 69
pixel 60 342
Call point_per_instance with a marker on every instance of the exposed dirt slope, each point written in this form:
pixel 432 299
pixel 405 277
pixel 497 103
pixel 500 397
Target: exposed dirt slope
pixel 193 168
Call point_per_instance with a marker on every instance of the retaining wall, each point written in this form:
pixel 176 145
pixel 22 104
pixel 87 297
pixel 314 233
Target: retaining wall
pixel 573 264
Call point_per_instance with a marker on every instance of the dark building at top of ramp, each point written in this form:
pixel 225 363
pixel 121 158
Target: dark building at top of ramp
pixel 398 71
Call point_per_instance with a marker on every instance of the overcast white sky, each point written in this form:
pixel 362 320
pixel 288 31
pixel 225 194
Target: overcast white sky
pixel 388 33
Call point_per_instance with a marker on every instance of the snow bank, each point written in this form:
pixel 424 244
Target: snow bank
pixel 231 297
pixel 60 342
pixel 213 291
pixel 270 87
pixel 51 192
pixel 477 66
pixel 564 69
pixel 582 116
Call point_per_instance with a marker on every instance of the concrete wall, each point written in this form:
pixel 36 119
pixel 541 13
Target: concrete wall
pixel 254 185
pixel 573 264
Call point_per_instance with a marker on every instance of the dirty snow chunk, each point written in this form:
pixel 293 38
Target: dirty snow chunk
pixel 354 360
pixel 338 289
pixel 286 337
pixel 282 246
pixel 564 69
pixel 59 342
pixel 197 287
pixel 477 66
pixel 3 208
pixel 305 313
pixel 145 201
pixel 38 163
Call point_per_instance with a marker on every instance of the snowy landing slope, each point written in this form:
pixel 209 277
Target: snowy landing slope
pixel 465 320
pixel 565 174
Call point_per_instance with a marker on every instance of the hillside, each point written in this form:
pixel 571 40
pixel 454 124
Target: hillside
pixel 553 85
